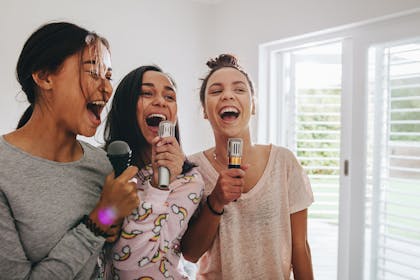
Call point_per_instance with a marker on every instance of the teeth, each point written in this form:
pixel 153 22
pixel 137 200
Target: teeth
pixel 99 103
pixel 163 117
pixel 229 110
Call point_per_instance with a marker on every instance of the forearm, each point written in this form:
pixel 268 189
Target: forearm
pixel 200 234
pixel 70 255
pixel 302 262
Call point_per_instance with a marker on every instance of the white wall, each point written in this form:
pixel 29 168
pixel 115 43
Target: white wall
pixel 179 35
pixel 164 32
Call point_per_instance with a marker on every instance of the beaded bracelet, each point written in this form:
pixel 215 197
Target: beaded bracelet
pixel 87 221
pixel 212 210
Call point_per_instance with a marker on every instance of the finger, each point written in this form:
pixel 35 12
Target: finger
pixel 174 149
pixel 171 140
pixel 235 173
pixel 133 180
pixel 245 166
pixel 129 173
pixel 114 230
pixel 111 239
pixel 110 177
pixel 156 140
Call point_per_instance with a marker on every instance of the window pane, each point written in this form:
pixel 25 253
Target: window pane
pixel 316 124
pixel 394 174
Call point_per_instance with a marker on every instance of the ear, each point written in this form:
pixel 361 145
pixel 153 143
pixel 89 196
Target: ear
pixel 205 114
pixel 42 79
pixel 253 106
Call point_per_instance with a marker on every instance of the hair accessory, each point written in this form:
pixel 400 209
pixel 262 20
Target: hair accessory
pixel 87 221
pixel 89 38
pixel 212 210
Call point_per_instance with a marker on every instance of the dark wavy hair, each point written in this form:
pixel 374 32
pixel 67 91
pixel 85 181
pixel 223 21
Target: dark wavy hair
pixel 222 61
pixel 121 123
pixel 46 49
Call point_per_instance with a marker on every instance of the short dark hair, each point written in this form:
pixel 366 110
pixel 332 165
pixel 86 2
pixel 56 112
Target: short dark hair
pixel 222 61
pixel 46 49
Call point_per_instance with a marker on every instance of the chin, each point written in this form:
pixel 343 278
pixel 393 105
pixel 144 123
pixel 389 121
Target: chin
pixel 88 132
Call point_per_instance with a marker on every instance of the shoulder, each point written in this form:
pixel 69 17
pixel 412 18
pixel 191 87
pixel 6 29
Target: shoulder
pixel 200 160
pixel 90 148
pixel 282 152
pixel 96 156
pixel 92 152
pixel 283 158
pixel 197 157
pixel 191 176
pixel 191 180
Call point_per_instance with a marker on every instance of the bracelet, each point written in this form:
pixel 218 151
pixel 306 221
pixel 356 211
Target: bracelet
pixel 212 210
pixel 87 221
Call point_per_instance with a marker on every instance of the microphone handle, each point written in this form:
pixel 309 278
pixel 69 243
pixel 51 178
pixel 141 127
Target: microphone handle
pixel 166 129
pixel 119 163
pixel 163 175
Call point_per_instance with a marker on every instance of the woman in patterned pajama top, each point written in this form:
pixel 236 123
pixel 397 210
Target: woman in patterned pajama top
pixel 148 247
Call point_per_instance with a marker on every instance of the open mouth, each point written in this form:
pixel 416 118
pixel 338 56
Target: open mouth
pixel 96 108
pixel 229 113
pixel 153 120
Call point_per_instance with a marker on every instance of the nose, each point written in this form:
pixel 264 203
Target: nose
pixel 227 95
pixel 106 89
pixel 159 100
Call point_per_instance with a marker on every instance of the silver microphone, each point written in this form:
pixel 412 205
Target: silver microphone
pixel 166 129
pixel 234 150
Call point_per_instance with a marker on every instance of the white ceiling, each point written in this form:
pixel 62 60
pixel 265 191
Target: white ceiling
pixel 208 1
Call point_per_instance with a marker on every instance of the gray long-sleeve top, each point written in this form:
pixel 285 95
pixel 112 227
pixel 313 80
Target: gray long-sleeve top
pixel 41 205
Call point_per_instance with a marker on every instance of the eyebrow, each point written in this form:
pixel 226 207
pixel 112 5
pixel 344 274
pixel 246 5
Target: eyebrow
pixel 152 85
pixel 94 63
pixel 234 83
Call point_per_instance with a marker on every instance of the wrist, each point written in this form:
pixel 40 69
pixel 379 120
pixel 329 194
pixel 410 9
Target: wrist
pixel 94 226
pixel 218 211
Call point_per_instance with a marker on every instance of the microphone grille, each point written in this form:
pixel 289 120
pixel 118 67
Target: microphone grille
pixel 118 148
pixel 234 147
pixel 166 129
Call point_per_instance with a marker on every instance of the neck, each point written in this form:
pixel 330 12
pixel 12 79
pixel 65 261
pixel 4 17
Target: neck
pixel 43 138
pixel 219 152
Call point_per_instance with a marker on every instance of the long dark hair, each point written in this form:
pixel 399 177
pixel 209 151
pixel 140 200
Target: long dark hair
pixel 46 49
pixel 121 123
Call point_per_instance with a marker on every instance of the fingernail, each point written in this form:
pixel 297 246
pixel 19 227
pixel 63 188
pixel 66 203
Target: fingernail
pixel 133 180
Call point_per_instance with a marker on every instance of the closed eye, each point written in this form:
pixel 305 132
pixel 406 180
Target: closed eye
pixel 170 97
pixel 240 90
pixel 216 91
pixel 93 73
pixel 146 93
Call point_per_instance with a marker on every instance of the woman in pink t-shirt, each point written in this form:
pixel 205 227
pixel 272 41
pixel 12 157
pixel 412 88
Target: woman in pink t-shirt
pixel 252 223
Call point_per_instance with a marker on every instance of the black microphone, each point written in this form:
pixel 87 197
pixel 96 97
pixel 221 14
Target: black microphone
pixel 119 154
pixel 234 150
pixel 166 129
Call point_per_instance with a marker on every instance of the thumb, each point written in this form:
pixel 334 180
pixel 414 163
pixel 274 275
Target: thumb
pixel 245 166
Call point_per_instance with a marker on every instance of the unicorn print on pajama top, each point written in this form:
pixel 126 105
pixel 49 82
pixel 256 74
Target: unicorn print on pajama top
pixel 149 244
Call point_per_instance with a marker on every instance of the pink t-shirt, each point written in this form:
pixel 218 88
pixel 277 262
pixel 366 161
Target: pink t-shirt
pixel 254 237
pixel 149 245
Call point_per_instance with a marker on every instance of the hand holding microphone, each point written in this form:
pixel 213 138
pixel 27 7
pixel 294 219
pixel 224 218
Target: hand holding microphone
pixel 166 129
pixel 231 181
pixel 167 156
pixel 119 194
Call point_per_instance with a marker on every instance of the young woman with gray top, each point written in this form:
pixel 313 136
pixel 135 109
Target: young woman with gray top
pixel 54 189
